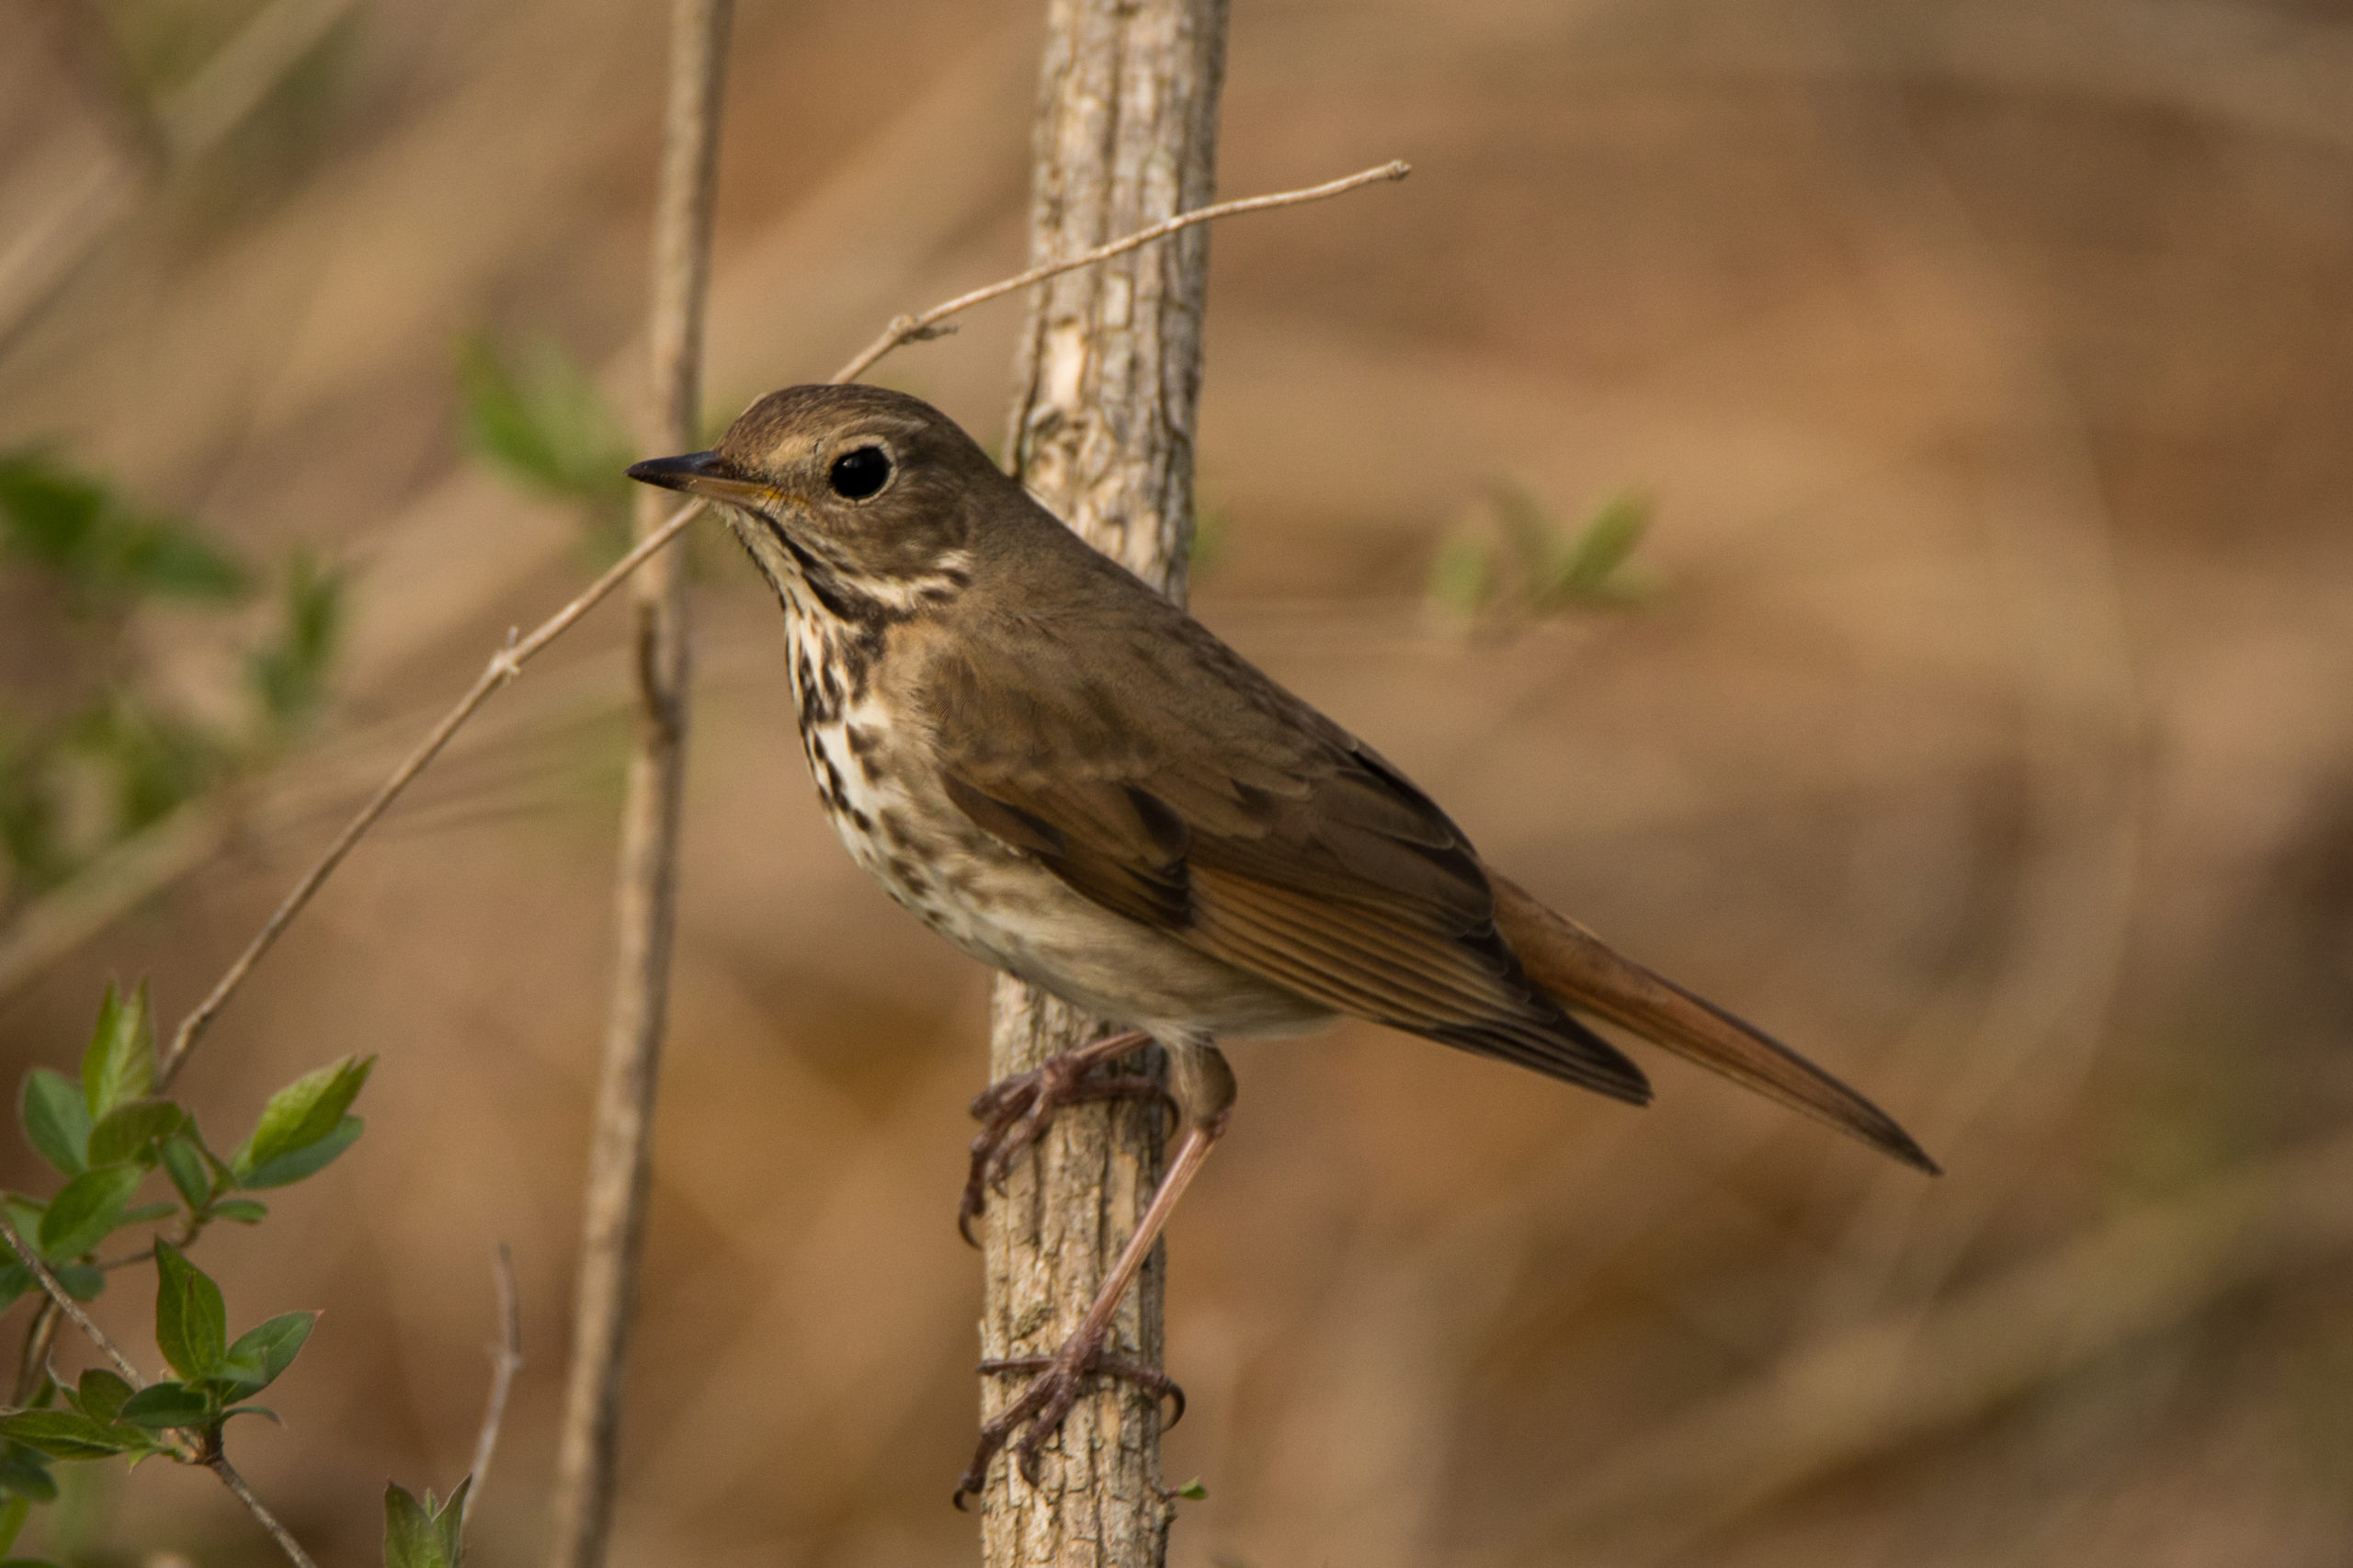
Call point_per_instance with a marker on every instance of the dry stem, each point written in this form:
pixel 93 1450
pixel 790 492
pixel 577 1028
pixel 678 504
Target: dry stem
pixel 32 1361
pixel 621 1149
pixel 916 328
pixel 67 1304
pixel 506 1360
pixel 39 256
pixel 503 666
pixel 218 1465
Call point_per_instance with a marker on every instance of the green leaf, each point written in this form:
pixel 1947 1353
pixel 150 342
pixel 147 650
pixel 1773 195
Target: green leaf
pixel 12 1516
pixel 56 1118
pixel 287 1169
pixel 1193 1490
pixel 191 1324
pixel 63 1435
pixel 172 559
pixel 1461 578
pixel 288 676
pixel 159 1406
pixel 23 1475
pixel 411 1537
pixel 547 424
pixel 86 1211
pixel 48 513
pixel 120 1064
pixel 1587 571
pixel 190 1177
pixel 244 1211
pixel 80 1280
pixel 146 1214
pixel 261 1354
pixel 75 526
pixel 155 759
pixel 14 1281
pixel 305 1112
pixel 101 1395
pixel 131 1128
pixel 451 1518
pixel 1528 527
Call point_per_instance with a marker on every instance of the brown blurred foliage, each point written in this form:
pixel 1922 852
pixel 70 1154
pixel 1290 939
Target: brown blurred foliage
pixel 1983 730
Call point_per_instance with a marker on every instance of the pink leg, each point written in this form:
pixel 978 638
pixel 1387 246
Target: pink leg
pixel 1062 1377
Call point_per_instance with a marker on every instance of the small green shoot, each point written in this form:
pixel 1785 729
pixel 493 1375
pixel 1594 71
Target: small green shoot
pixel 427 1534
pixel 544 424
pixel 1525 566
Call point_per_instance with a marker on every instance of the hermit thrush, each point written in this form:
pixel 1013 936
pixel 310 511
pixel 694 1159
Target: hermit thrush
pixel 1074 782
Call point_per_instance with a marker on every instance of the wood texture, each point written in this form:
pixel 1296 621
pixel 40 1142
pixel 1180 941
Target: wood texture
pixel 1106 386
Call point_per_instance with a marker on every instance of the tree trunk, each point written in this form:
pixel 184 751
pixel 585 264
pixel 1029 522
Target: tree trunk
pixel 1105 385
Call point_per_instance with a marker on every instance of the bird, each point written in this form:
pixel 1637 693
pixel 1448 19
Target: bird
pixel 1065 775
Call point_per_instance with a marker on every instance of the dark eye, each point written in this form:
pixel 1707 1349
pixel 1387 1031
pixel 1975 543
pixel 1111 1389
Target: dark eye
pixel 855 475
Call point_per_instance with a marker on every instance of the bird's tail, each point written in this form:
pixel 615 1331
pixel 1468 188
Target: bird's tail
pixel 1584 973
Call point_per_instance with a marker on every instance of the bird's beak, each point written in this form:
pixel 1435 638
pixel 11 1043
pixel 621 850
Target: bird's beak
pixel 702 473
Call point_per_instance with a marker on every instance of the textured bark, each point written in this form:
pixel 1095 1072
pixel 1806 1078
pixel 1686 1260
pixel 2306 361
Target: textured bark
pixel 1107 383
pixel 621 1151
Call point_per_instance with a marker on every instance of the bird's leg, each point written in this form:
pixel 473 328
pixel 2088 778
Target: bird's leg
pixel 1013 1111
pixel 1204 1091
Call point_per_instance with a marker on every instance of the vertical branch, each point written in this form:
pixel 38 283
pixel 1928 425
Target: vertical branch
pixel 109 88
pixel 1102 424
pixel 620 1150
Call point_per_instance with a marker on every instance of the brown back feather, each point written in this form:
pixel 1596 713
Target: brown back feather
pixel 1160 774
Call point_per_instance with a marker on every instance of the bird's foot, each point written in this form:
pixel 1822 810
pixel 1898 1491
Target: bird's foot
pixel 1058 1379
pixel 1013 1111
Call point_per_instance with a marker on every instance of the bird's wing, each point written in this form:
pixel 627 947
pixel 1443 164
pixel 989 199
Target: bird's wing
pixel 1167 779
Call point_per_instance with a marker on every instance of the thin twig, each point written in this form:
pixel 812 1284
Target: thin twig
pixel 110 89
pixel 39 256
pixel 218 1465
pixel 621 1145
pixel 67 1304
pixel 914 328
pixel 506 1360
pixel 503 666
pixel 32 1362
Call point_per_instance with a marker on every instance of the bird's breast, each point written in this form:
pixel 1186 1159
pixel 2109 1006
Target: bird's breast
pixel 880 787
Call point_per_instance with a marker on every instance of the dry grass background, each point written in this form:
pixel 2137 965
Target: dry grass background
pixel 1988 736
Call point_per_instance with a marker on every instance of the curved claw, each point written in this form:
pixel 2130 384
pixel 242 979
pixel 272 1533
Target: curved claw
pixel 1013 1113
pixel 1045 1403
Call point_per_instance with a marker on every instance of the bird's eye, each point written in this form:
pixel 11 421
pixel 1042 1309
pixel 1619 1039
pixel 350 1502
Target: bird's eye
pixel 857 474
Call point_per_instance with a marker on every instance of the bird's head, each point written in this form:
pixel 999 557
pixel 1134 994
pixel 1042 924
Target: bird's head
pixel 855 500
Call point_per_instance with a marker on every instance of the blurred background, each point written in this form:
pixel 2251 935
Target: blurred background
pixel 1846 497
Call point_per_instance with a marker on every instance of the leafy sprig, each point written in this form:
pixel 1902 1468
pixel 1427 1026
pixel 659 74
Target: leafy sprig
pixel 107 735
pixel 106 1133
pixel 1526 565
pixel 540 421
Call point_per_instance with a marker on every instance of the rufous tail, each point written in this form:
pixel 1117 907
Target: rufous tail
pixel 1585 975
